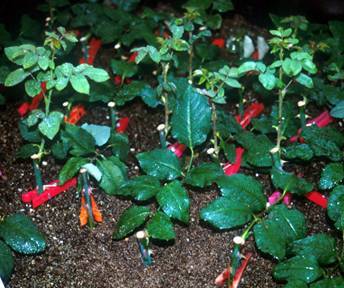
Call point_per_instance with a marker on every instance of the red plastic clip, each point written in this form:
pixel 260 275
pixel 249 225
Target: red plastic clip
pixel 252 111
pixel 317 198
pixel 122 124
pixel 94 46
pixel 177 148
pixel 26 107
pixel 224 276
pixel 219 42
pixel 51 190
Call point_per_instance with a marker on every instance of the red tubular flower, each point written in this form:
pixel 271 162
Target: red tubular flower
pixel 231 169
pixel 224 276
pixel 93 47
pixel 321 121
pixel 177 148
pixel 77 112
pixel 122 125
pixel 219 42
pixel 132 57
pixel 252 111
pixel 23 109
pixel 317 198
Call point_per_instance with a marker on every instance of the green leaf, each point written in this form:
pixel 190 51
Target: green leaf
pixel 80 83
pixel 335 206
pixel 16 77
pixel 204 175
pixel 160 227
pixel 296 284
pixel 223 5
pixel 298 268
pixel 305 80
pixel 289 182
pixel 258 154
pixel 120 145
pixel 331 175
pixel 71 168
pixel 19 232
pixel 338 110
pixel 153 54
pixel 291 67
pixel 96 74
pixel 298 151
pixel 100 133
pixel 247 66
pixel 126 5
pixel 50 125
pixel 282 227
pixel 81 141
pixel 160 163
pixel 93 170
pixel 174 201
pixel 191 119
pixel 321 246
pixel 30 59
pixel 223 213
pixel 337 282
pixel 112 176
pixel 131 219
pixel 123 68
pixel 6 263
pixel 240 188
pixel 141 188
pixel 32 87
pixel 268 80
pixel 324 141
pixel 27 150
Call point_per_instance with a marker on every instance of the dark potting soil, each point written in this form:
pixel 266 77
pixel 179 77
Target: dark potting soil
pixel 80 257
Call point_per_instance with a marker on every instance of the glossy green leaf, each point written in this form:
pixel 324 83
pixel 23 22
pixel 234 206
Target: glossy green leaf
pixel 282 227
pixel 112 176
pixel 335 207
pixel 131 219
pixel 174 201
pixel 338 110
pixel 298 268
pixel 32 87
pixel 93 170
pixel 50 124
pixel 123 68
pixel 321 246
pixel 96 74
pixel 16 77
pixel 27 150
pixel 336 282
pixel 21 234
pixel 298 151
pixel 141 188
pixel 291 67
pixel 160 163
pixel 331 175
pixel 100 133
pixel 191 119
pixel 305 80
pixel 29 60
pixel 223 5
pixel 80 83
pixel 223 213
pixel 240 188
pixel 71 168
pixel 204 174
pixel 6 263
pixel 296 284
pixel 82 143
pixel 119 145
pixel 268 80
pixel 290 182
pixel 160 227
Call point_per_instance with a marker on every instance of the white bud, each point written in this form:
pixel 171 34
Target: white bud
pixel 301 103
pixel 141 234
pixel 35 156
pixel 202 28
pixel 155 72
pixel 274 150
pixel 44 163
pixel 117 46
pixel 124 57
pixel 83 170
pixel 65 104
pixel 111 104
pixel 267 205
pixel 190 81
pixel 210 151
pixel 47 19
pixel 239 240
pixel 161 127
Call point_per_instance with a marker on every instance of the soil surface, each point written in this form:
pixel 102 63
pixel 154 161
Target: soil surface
pixel 78 257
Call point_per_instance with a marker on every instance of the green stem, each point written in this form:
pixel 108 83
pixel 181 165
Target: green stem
pixel 190 57
pixel 113 119
pixel 245 234
pixel 191 159
pixel 38 176
pixel 164 98
pixel 214 120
